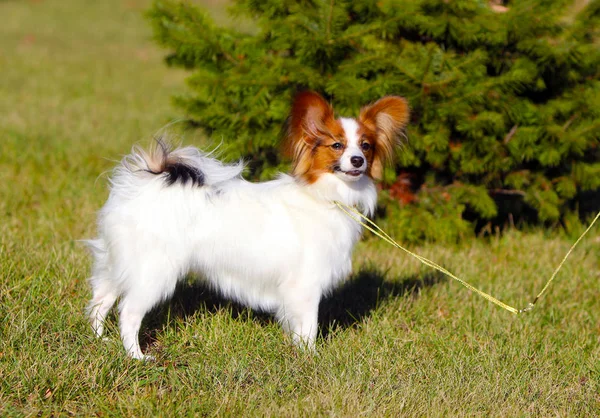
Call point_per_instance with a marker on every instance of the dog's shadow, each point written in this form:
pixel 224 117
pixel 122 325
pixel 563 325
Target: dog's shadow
pixel 364 292
pixel 345 307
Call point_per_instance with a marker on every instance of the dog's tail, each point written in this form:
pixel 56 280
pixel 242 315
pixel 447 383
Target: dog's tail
pixel 175 165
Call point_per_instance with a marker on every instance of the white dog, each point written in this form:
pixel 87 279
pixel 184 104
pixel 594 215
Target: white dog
pixel 277 246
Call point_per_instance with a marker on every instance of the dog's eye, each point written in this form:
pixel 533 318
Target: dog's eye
pixel 365 146
pixel 337 146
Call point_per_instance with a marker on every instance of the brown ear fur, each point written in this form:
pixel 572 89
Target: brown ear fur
pixel 385 119
pixel 308 121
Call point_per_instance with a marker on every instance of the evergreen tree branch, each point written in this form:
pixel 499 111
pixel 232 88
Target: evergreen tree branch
pixel 328 30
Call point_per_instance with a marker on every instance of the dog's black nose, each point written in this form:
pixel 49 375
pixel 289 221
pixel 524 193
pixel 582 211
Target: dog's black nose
pixel 357 161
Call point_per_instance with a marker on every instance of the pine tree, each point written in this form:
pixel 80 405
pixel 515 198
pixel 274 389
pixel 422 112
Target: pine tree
pixel 505 99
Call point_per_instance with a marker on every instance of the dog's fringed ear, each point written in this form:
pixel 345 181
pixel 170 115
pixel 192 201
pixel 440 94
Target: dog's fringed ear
pixel 385 120
pixel 306 124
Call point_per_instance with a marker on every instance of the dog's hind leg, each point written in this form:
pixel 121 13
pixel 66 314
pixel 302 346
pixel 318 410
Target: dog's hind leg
pixel 103 298
pixel 104 291
pixel 151 285
pixel 130 322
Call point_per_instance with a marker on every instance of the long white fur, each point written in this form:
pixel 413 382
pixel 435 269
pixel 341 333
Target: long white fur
pixel 277 246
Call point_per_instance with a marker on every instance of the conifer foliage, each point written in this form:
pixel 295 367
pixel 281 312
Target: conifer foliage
pixel 505 97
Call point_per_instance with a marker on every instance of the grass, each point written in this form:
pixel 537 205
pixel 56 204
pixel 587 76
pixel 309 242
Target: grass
pixel 81 82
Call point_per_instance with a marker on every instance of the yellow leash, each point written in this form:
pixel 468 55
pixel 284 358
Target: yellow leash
pixel 374 228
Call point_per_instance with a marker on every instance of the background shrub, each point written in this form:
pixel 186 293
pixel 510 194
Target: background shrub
pixel 505 98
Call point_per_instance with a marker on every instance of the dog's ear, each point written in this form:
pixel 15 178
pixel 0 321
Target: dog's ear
pixel 306 124
pixel 384 121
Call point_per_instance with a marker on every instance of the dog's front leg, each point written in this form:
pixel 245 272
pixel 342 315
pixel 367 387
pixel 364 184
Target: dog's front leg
pixel 298 316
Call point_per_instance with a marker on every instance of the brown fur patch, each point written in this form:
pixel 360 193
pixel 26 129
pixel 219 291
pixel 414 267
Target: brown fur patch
pixel 312 129
pixel 324 157
pixel 159 157
pixel 382 122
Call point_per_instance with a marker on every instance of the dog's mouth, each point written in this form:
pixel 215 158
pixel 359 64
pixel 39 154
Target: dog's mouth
pixel 351 173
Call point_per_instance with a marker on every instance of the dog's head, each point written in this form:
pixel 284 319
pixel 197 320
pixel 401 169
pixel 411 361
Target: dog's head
pixel 318 143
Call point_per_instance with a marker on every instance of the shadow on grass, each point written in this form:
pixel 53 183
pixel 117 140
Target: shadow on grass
pixel 345 307
pixel 364 292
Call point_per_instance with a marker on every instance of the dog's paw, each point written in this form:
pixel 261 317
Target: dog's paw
pixel 143 357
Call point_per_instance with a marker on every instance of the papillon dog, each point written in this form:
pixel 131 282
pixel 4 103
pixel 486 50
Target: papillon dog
pixel 276 246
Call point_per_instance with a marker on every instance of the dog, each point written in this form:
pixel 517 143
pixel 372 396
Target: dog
pixel 276 246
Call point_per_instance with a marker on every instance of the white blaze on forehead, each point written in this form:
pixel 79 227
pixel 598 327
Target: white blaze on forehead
pixel 350 127
pixel 353 149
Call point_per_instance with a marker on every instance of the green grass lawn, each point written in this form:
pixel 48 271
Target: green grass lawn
pixel 80 82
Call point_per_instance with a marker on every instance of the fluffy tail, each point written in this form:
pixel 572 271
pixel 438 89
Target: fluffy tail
pixel 179 165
